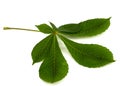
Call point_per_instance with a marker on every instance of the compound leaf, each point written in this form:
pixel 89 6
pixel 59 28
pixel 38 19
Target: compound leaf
pixel 86 28
pixel 41 49
pixel 54 67
pixel 89 55
pixel 44 28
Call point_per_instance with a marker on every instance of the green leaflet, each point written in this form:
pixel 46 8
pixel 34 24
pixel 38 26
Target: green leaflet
pixel 54 67
pixel 44 28
pixel 89 55
pixel 53 26
pixel 41 49
pixel 86 28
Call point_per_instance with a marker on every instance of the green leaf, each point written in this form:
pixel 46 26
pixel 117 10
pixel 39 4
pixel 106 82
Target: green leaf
pixel 89 55
pixel 41 49
pixel 44 28
pixel 53 26
pixel 86 28
pixel 54 67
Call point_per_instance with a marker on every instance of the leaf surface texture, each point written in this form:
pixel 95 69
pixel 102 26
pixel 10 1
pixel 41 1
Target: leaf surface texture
pixel 41 49
pixel 89 55
pixel 44 28
pixel 87 28
pixel 54 67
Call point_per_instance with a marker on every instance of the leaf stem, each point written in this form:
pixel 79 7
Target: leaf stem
pixel 11 28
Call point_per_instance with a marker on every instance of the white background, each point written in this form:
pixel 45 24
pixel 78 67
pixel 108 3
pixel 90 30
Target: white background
pixel 15 46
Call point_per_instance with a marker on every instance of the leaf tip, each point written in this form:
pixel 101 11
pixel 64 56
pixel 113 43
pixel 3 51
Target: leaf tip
pixel 36 25
pixel 33 63
pixel 50 22
pixel 109 18
pixel 113 60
